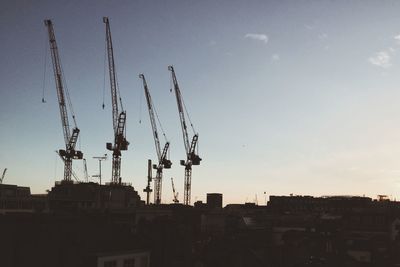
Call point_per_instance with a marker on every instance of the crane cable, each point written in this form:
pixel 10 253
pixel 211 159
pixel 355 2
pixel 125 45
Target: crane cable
pixel 104 73
pixel 159 123
pixel 68 96
pixel 140 106
pixel 187 113
pixel 64 81
pixel 120 100
pixel 155 112
pixel 117 85
pixel 118 92
pixel 184 106
pixel 80 142
pixel 45 70
pixel 104 78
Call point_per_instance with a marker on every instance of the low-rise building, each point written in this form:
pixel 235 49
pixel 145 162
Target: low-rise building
pixel 133 258
pixel 70 196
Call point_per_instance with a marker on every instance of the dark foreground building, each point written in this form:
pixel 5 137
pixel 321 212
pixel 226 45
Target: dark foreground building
pixel 15 198
pixel 87 240
pixel 88 225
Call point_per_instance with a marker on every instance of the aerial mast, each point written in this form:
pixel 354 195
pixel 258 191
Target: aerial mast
pixel 100 159
pixel 163 162
pixel 69 153
pixel 119 118
pixel 190 147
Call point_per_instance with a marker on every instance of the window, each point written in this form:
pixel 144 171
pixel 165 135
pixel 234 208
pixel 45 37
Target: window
pixel 144 261
pixel 129 262
pixel 110 264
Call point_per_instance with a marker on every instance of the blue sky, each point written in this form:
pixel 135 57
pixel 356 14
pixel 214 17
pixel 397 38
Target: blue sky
pixel 287 96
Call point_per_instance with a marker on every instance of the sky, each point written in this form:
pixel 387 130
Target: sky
pixel 288 97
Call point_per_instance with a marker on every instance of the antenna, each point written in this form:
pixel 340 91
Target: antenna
pixel 100 159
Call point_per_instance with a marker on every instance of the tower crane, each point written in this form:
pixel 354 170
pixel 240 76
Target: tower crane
pixel 2 176
pixel 119 118
pixel 190 147
pixel 70 138
pixel 163 161
pixel 175 200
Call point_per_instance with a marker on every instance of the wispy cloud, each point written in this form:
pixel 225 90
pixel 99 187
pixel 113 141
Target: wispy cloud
pixel 381 59
pixel 257 36
pixel 275 57
pixel 397 38
pixel 384 57
pixel 211 43
pixel 310 26
pixel 323 36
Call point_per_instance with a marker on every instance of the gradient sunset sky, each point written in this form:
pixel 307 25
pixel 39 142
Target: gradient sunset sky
pixel 297 97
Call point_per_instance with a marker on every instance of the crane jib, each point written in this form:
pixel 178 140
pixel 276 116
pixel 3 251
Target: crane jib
pixel 119 119
pixel 70 140
pixel 163 162
pixel 191 157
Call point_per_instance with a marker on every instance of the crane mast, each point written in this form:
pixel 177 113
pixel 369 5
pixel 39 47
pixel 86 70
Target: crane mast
pixel 119 118
pixel 73 174
pixel 175 200
pixel 85 171
pixel 190 147
pixel 148 190
pixel 70 138
pixel 163 162
pixel 2 176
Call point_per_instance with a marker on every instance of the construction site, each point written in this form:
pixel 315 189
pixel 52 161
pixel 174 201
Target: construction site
pixel 106 215
pixel 114 192
pixel 73 202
